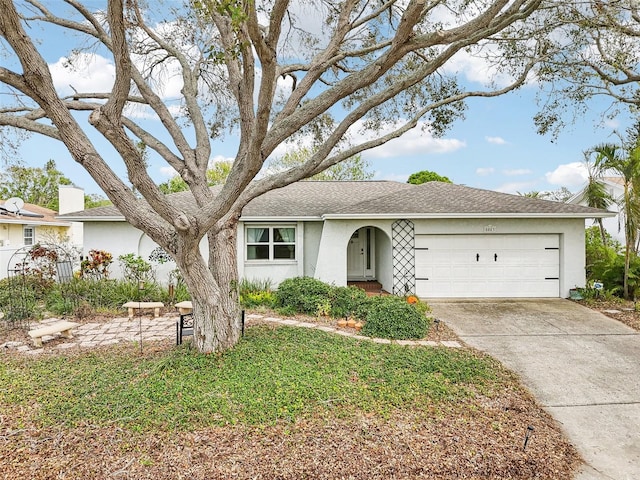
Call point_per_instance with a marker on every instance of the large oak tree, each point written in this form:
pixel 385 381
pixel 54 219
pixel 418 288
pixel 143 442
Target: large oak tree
pixel 349 75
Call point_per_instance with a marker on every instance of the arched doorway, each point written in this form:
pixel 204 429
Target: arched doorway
pixel 361 255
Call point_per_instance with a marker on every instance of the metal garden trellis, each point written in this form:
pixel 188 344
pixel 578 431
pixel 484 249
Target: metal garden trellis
pixel 29 268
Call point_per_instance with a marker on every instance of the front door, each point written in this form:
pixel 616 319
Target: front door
pixel 360 255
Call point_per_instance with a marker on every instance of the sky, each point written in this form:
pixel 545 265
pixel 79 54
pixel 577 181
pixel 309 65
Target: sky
pixel 495 147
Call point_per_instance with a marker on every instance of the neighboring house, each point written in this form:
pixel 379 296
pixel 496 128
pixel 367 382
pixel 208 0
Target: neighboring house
pixel 612 224
pixel 24 224
pixel 435 239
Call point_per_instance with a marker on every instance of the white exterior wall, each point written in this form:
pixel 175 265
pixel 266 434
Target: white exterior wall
pixel 71 199
pixel 117 238
pixel 322 249
pixel 332 253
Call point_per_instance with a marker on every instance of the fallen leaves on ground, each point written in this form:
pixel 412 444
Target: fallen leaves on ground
pixel 480 439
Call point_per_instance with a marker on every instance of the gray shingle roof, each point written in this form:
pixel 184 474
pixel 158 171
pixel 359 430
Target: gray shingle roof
pixel 376 198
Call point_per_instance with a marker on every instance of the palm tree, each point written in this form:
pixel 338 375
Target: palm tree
pixel 626 163
pixel 595 193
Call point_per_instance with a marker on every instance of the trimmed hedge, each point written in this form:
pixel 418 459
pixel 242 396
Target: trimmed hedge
pixel 304 294
pixel 393 318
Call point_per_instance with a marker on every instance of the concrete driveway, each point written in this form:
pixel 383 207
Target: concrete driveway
pixel 582 366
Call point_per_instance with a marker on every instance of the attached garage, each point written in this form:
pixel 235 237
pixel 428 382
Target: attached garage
pixel 491 265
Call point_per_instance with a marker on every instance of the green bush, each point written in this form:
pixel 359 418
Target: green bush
pixel 80 296
pixel 257 299
pixel 393 318
pixel 348 302
pixel 303 294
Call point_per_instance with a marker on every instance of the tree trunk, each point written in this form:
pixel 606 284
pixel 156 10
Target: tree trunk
pixel 603 235
pixel 214 293
pixel 625 281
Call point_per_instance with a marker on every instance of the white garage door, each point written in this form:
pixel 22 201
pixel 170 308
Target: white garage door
pixel 487 266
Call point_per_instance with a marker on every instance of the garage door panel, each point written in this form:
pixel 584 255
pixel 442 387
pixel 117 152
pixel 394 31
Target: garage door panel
pixel 487 265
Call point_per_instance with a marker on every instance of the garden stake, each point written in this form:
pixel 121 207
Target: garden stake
pixel 140 289
pixel 526 437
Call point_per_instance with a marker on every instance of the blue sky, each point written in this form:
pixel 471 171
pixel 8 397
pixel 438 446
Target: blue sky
pixel 496 147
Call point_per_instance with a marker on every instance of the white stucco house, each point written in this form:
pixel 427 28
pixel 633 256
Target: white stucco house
pixel 435 239
pixel 612 224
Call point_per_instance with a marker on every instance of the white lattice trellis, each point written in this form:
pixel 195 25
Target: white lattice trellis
pixel 404 277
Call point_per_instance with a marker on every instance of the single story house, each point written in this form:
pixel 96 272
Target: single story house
pixel 25 224
pixel 435 239
pixel 613 224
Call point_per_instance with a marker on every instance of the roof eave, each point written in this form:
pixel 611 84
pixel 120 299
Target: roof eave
pixel 264 218
pixel 391 216
pixel 85 218
pixel 33 221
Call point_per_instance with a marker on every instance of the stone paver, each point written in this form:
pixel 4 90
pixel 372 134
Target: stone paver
pixel 118 330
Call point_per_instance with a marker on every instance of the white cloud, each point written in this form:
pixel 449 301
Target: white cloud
pixel 496 140
pixel 484 171
pixel 86 72
pixel 417 141
pixel 399 177
pixel 517 187
pixel 517 171
pixel 568 174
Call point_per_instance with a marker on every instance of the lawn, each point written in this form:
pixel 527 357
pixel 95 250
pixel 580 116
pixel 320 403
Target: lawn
pixel 286 403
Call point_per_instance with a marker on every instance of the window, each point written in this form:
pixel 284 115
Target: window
pixel 271 243
pixel 28 235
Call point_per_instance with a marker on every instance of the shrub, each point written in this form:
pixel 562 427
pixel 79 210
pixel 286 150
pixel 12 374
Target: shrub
pixel 393 318
pixel 96 265
pixel 303 294
pixel 257 299
pixel 347 302
pixel 135 268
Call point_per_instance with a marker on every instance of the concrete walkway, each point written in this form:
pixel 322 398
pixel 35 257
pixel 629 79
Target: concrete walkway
pixel 118 330
pixel 582 366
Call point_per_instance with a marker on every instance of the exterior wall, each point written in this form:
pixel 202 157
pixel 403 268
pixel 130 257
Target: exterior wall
pixel 312 236
pixel 117 238
pixel 331 266
pixel 12 240
pixel 322 249
pixel 71 199
pixel 384 261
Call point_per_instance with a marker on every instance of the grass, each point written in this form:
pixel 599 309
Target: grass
pixel 273 375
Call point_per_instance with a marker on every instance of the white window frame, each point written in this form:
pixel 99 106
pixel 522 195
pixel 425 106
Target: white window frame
pixel 28 240
pixel 271 243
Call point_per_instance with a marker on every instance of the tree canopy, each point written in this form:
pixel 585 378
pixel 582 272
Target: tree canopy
pixel 35 185
pixel 354 168
pixel 354 77
pixel 594 54
pixel 216 175
pixel 427 176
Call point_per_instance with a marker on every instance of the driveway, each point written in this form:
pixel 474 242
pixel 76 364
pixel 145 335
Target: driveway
pixel 583 367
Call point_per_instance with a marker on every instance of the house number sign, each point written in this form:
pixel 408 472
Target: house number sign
pixel 489 228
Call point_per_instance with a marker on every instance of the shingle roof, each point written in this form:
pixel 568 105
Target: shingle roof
pixel 378 198
pixel 31 214
pixel 438 198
